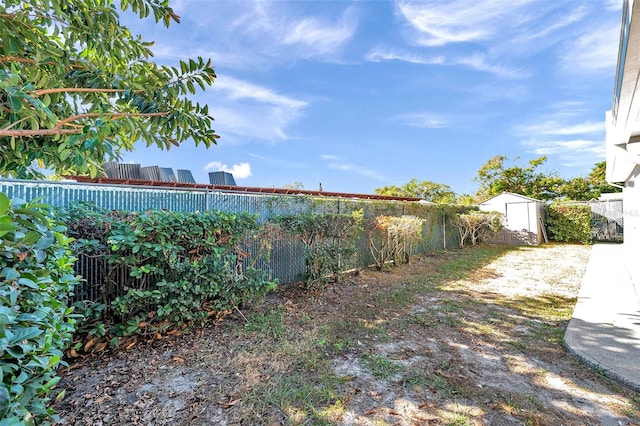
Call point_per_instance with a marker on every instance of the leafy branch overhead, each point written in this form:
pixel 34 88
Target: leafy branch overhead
pixel 76 87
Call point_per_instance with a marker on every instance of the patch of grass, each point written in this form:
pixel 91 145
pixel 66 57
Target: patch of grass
pixel 453 306
pixel 444 386
pixel 298 399
pixel 459 417
pixel 426 318
pixel 548 308
pixel 415 381
pixel 458 420
pixel 382 367
pixel 467 261
pixel 400 296
pixel 549 333
pixel 632 409
pixel 269 323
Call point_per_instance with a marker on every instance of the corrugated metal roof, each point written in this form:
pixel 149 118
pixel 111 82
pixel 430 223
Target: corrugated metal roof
pixel 229 188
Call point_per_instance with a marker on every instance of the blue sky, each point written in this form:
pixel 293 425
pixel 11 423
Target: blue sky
pixel 364 94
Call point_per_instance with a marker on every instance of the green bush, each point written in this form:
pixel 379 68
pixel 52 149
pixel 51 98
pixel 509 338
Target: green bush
pixel 329 241
pixel 569 223
pixel 165 269
pixel 37 278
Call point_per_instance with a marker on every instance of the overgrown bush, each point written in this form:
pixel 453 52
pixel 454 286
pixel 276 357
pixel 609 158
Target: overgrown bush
pixel 392 238
pixel 476 226
pixel 164 269
pixel 329 241
pixel 569 223
pixel 36 280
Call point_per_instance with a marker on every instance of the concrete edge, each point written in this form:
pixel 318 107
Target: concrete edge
pixel 599 367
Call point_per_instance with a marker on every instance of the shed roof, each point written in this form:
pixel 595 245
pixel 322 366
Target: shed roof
pixel 524 197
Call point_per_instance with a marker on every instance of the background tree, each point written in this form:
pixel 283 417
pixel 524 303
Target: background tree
pixel 495 178
pixel 591 187
pixel 77 88
pixel 427 190
pixel 598 181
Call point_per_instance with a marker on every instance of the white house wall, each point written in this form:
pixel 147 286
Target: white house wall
pixel 632 223
pixel 623 132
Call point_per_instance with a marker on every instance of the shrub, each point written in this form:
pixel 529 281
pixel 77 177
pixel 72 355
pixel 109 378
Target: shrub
pixel 476 226
pixel 393 238
pixel 569 223
pixel 37 278
pixel 329 241
pixel 165 269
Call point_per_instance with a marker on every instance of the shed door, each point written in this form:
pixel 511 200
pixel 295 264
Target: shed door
pixel 517 217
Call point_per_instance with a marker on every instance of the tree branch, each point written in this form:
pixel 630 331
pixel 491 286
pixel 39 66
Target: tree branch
pixel 114 116
pixel 4 59
pixel 19 121
pixel 74 90
pixel 58 130
pixel 39 132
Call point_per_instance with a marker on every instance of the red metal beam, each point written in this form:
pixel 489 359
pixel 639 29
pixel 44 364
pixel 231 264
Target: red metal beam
pixel 248 189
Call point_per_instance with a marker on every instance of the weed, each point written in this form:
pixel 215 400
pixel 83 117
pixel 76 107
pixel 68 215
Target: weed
pixel 459 417
pixel 399 296
pixel 415 381
pixel 304 318
pixel 445 386
pixel 632 409
pixel 267 324
pixel 426 318
pixel 382 367
pixel 299 399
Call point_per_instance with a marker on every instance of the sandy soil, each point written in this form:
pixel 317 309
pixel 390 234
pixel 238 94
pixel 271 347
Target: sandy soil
pixel 405 347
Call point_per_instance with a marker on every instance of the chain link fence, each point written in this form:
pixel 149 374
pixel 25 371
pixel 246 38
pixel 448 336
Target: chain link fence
pixel 279 253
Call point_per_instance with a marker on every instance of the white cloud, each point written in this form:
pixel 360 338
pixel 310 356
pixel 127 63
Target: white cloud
pixel 251 111
pixel 239 171
pixel 442 22
pixel 280 162
pixel 240 89
pixel 274 30
pixel 595 51
pixel 320 38
pixel 380 54
pixel 423 120
pixel 573 146
pixel 477 61
pixel 338 163
pixel 480 62
pixel 555 128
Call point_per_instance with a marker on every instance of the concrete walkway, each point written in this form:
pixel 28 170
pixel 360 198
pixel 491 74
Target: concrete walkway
pixel 604 331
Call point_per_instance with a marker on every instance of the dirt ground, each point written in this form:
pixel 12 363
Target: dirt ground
pixel 465 337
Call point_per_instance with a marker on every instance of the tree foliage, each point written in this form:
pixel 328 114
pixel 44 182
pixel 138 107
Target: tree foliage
pixel 585 189
pixel 495 178
pixel 78 88
pixel 427 190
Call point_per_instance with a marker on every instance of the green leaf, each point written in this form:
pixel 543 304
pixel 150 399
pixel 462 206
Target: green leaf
pixel 5 203
pixel 15 102
pixel 27 283
pixel 26 333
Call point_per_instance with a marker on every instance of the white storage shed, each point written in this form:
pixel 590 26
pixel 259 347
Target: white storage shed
pixel 523 218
